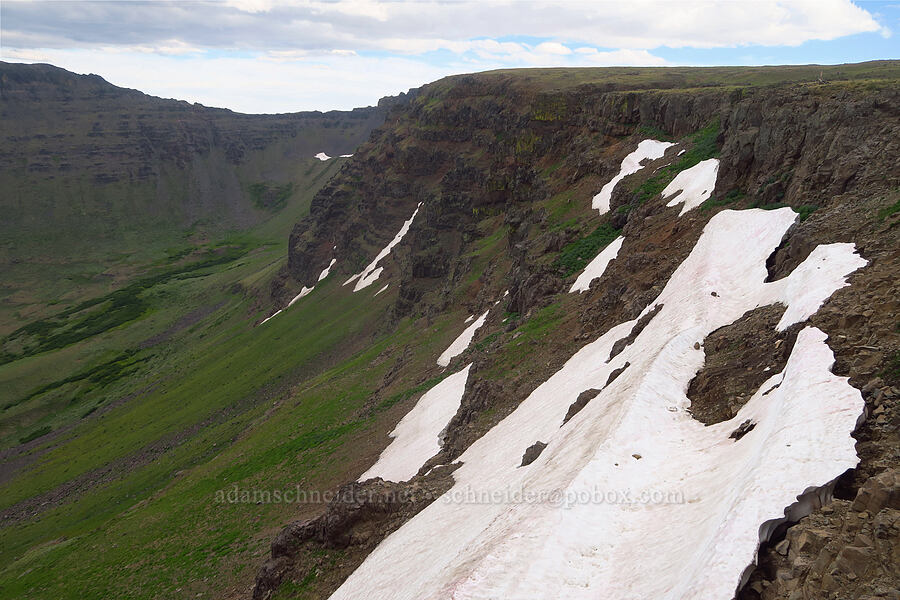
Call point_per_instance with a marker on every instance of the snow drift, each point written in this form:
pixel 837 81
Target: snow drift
pixel 372 272
pixel 459 345
pixel 597 267
pixel 695 184
pixel 647 149
pixel 632 497
pixel 417 435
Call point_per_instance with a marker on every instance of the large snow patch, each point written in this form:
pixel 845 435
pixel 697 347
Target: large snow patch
pixel 647 149
pixel 695 184
pixel 633 498
pixel 417 435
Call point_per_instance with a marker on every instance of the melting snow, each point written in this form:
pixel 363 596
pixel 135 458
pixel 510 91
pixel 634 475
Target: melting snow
pixel 274 314
pixel 303 292
pixel 370 274
pixel 597 266
pixel 651 149
pixel 346 155
pixel 469 319
pixel 683 522
pixel 384 287
pixel 322 156
pixel 416 438
pixel 327 269
pixel 695 184
pixel 462 342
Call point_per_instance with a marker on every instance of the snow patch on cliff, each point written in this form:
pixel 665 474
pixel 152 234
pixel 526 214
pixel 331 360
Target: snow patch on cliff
pixel 695 184
pixel 597 266
pixel 326 270
pixel 647 149
pixel 304 291
pixel 462 342
pixel 274 314
pixel 416 438
pixel 370 274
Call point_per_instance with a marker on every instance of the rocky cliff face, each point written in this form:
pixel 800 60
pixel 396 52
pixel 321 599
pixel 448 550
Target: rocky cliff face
pixel 79 154
pixel 505 166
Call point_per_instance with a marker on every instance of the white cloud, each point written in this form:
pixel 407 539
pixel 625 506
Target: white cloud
pixel 552 48
pixel 254 84
pixel 286 55
pixel 365 25
pixel 619 58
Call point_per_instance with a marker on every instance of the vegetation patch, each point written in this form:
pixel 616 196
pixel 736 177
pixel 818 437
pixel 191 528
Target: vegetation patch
pixel 100 375
pixel 487 341
pixel 891 372
pixel 576 255
pixel 41 431
pixel 270 196
pixel 654 132
pixel 104 313
pixel 549 109
pixel 888 211
pixel 803 210
pixel 715 202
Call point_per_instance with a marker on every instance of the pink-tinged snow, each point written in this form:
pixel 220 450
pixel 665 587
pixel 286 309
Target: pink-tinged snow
pixel 370 274
pixel 322 156
pixel 460 344
pixel 384 287
pixel 695 184
pixel 597 266
pixel 594 535
pixel 647 149
pixel 416 438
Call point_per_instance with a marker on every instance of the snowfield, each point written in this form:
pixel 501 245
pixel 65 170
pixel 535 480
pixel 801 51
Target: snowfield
pixel 417 435
pixel 633 498
pixel 647 149
pixel 596 267
pixel 322 156
pixel 695 184
pixel 459 345
pixel 370 274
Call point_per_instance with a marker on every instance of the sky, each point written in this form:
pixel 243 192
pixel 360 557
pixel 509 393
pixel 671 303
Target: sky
pixel 267 56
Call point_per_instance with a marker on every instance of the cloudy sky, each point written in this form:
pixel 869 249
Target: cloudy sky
pixel 289 55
